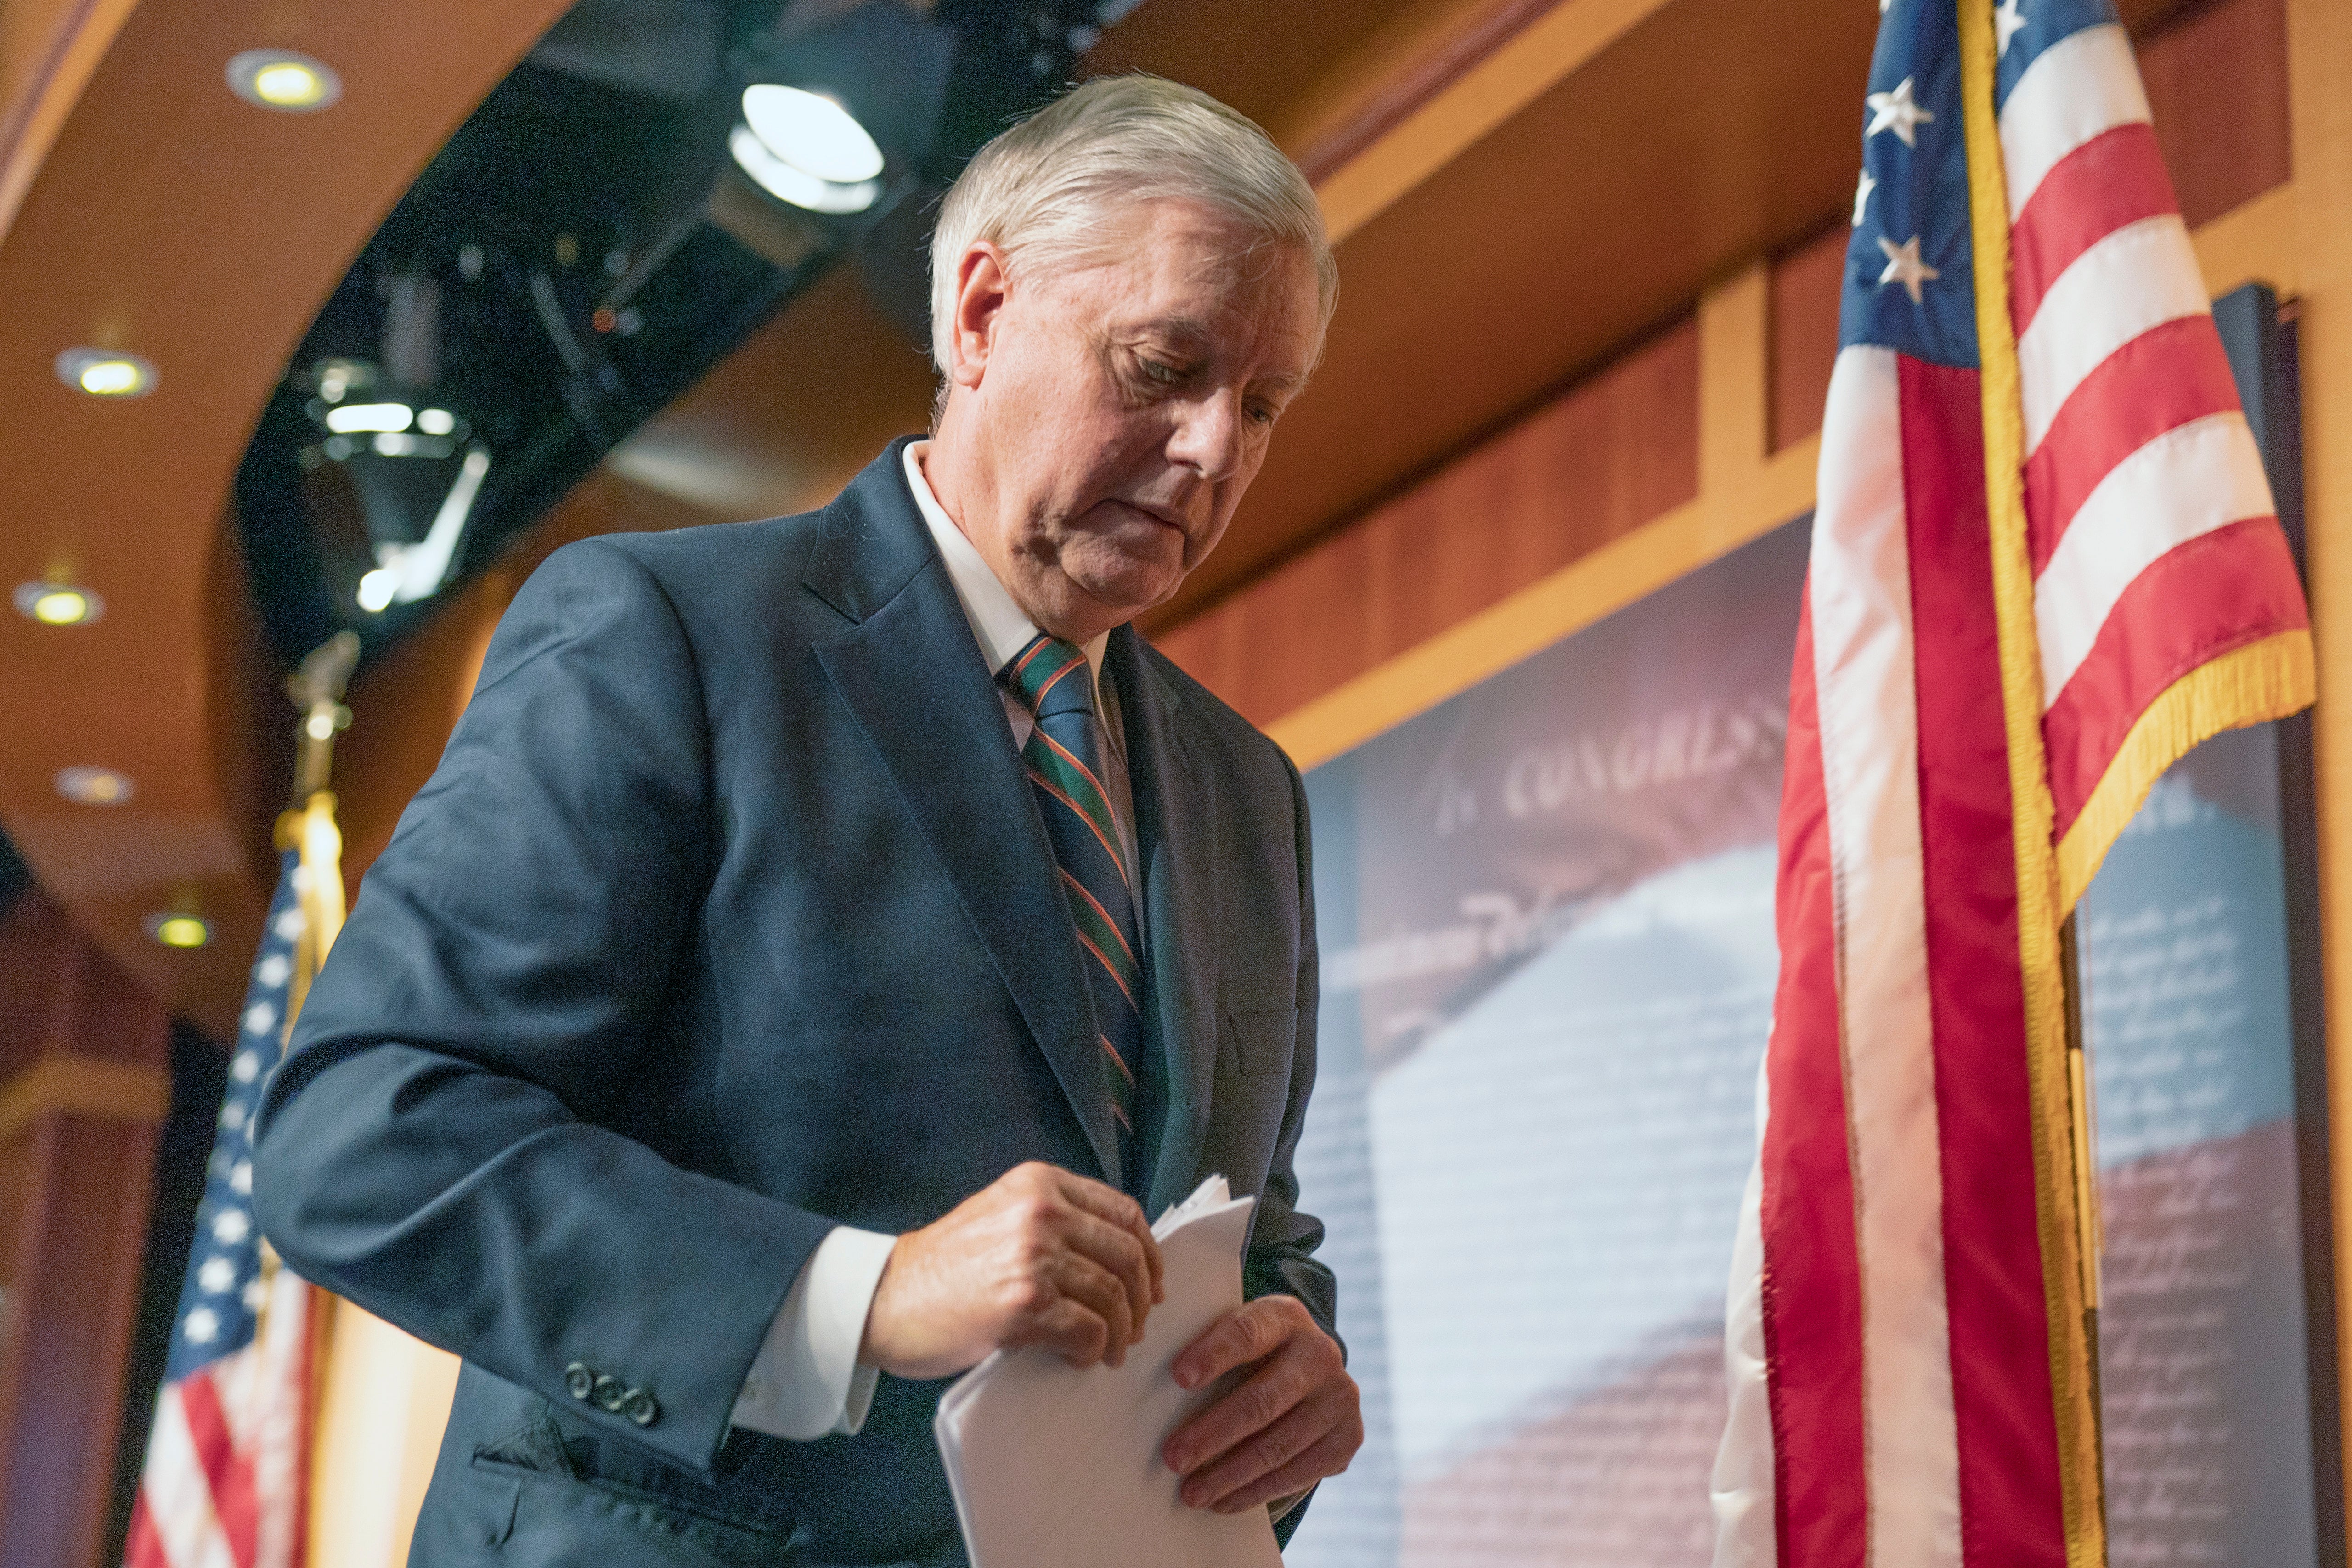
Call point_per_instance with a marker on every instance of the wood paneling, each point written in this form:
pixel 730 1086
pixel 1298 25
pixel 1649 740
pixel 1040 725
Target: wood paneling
pixel 1712 132
pixel 1600 460
pixel 1805 289
pixel 1325 61
pixel 2319 38
pixel 78 1174
pixel 172 219
pixel 2217 87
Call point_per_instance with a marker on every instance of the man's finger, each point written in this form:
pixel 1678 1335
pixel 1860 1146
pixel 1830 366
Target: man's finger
pixel 1078 1279
pixel 1265 1448
pixel 1068 1327
pixel 1238 1338
pixel 1116 1207
pixel 1115 1249
pixel 1325 1457
pixel 1260 1402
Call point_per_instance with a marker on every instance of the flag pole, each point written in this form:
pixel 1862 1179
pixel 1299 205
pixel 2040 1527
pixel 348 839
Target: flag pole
pixel 2053 1060
pixel 308 824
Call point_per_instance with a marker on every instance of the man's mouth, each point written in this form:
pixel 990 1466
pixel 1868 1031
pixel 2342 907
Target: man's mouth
pixel 1161 515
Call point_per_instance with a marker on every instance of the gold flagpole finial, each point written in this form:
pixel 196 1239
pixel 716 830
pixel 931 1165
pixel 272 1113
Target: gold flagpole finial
pixel 317 688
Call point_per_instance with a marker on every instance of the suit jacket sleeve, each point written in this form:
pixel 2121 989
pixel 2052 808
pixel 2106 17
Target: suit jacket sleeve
pixel 464 1138
pixel 1281 1258
pixel 1283 1241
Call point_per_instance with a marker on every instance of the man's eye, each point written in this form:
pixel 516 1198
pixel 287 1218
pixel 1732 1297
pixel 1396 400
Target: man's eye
pixel 1159 370
pixel 1264 413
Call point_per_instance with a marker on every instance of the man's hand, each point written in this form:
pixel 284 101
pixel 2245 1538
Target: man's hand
pixel 1041 1257
pixel 1294 1420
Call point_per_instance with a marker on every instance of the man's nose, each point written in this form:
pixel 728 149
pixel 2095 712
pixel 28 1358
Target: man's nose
pixel 1208 434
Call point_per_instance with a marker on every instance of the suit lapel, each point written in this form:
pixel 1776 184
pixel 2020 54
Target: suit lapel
pixel 912 676
pixel 1176 824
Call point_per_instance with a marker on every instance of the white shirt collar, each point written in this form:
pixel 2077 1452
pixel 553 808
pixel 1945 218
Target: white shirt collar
pixel 1000 623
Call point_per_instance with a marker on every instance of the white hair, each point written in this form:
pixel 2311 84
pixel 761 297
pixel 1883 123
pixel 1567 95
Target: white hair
pixel 1042 191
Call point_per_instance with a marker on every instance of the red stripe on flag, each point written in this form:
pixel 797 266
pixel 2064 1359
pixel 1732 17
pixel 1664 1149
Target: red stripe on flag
pixel 2161 380
pixel 2115 178
pixel 1812 1280
pixel 229 1476
pixel 143 1548
pixel 2217 593
pixel 2001 1402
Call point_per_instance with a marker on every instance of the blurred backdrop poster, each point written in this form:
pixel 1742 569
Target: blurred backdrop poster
pixel 2204 1380
pixel 1547 925
pixel 1546 912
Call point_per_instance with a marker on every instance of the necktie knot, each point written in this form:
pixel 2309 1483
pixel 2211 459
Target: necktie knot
pixel 1052 678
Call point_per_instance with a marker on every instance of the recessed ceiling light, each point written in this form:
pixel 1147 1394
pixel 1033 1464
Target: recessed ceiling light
pixel 284 80
pixel 179 931
pixel 104 373
pixel 59 605
pixel 790 183
pixel 812 133
pixel 94 786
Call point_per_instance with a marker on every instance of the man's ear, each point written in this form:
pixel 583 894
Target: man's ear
pixel 981 288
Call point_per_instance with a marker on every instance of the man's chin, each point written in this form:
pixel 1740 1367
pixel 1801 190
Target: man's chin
pixel 1112 599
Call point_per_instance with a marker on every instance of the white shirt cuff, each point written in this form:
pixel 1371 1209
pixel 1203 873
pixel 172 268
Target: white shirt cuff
pixel 806 1381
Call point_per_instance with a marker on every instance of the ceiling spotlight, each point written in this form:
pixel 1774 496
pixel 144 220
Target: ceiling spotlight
pixel 790 183
pixel 94 786
pixel 103 373
pixel 284 80
pixel 179 931
pixel 812 133
pixel 391 418
pixel 58 605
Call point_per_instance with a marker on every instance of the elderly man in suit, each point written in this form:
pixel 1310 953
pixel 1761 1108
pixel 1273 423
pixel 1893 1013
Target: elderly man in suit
pixel 825 940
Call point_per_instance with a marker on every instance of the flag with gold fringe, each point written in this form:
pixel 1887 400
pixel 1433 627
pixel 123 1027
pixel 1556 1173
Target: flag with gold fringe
pixel 2045 564
pixel 226 1483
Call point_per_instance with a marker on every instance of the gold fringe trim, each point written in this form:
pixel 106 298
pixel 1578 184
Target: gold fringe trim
pixel 2059 1135
pixel 2252 685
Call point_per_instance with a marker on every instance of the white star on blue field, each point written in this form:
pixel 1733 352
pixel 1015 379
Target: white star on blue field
pixel 221 1298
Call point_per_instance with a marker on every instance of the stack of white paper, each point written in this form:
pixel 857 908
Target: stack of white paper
pixel 1056 1467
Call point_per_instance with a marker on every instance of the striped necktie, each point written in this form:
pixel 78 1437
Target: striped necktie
pixel 1063 757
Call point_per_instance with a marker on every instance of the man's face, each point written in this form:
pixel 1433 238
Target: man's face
pixel 1112 414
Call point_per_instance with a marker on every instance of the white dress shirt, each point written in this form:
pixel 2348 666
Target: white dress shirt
pixel 806 1381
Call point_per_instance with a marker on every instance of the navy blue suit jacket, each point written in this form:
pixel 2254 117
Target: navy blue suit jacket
pixel 728 917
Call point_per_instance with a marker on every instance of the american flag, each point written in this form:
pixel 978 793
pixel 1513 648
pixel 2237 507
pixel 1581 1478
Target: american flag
pixel 226 1470
pixel 2046 564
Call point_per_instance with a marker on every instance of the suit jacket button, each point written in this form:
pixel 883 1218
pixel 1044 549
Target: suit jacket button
pixel 639 1407
pixel 580 1380
pixel 609 1395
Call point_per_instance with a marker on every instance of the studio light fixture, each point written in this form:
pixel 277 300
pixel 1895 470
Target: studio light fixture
pixel 804 148
pixel 181 930
pixel 94 786
pixel 58 603
pixel 352 417
pixel 407 572
pixel 813 133
pixel 106 372
pixel 283 80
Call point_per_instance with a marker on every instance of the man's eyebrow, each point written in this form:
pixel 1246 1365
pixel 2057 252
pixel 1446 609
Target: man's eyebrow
pixel 1185 329
pixel 1191 332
